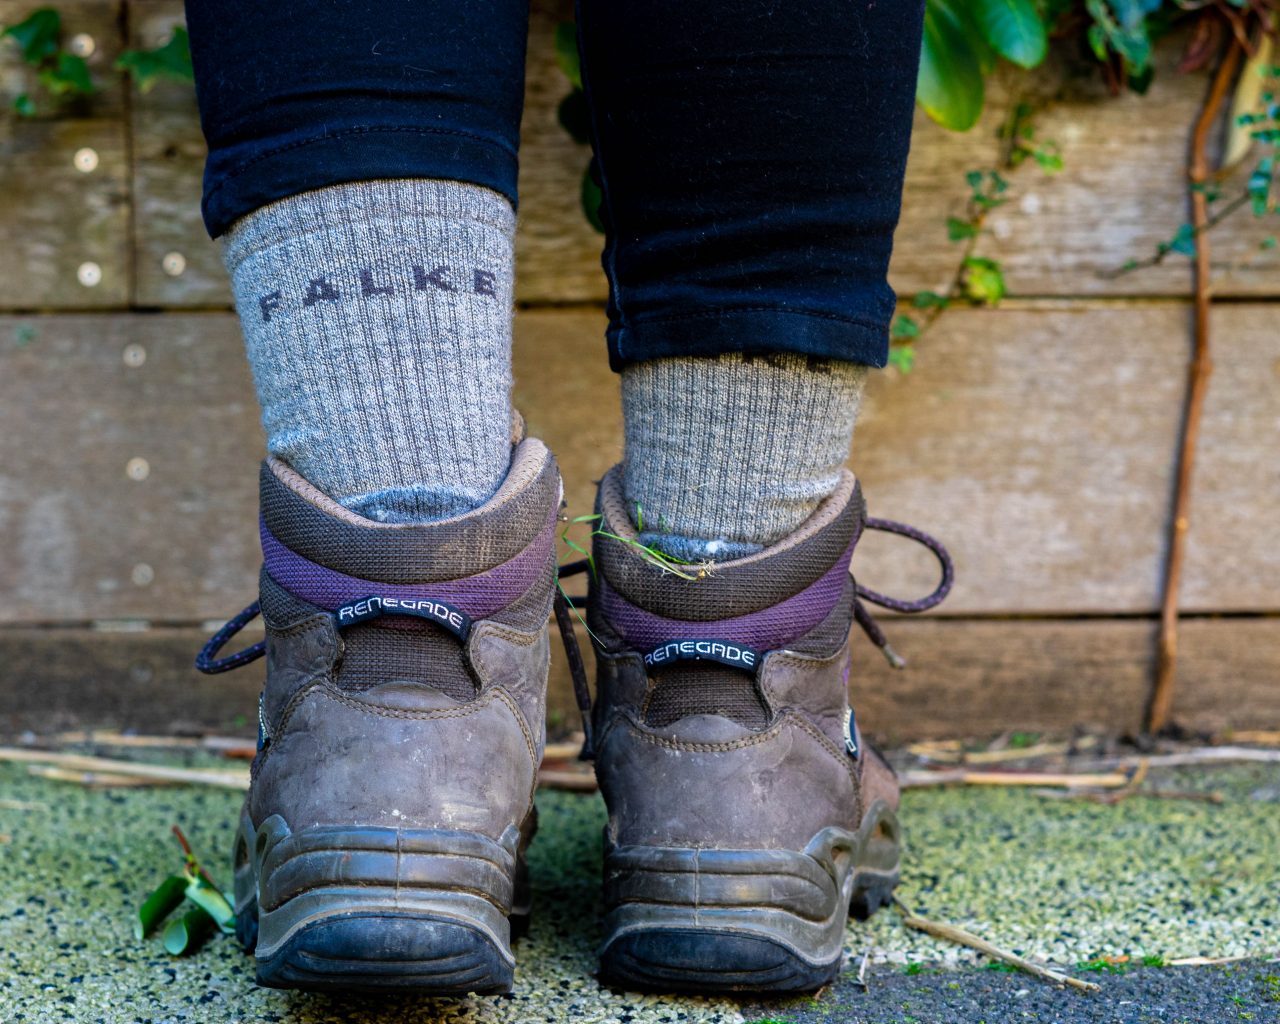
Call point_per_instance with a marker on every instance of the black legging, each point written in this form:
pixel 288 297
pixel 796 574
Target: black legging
pixel 751 152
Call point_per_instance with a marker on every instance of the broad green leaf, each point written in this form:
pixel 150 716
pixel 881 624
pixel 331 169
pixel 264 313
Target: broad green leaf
pixel 567 52
pixel 186 933
pixel 37 35
pixel 24 105
pixel 159 905
pixel 172 60
pixel 949 86
pixel 958 230
pixel 212 902
pixel 1014 29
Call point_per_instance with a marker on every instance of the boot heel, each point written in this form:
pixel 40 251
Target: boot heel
pixel 373 909
pixel 744 920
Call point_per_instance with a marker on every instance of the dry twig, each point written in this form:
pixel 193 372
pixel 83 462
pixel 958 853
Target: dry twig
pixel 961 937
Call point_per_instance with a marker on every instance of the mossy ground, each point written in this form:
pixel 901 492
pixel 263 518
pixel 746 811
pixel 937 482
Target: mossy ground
pixel 1065 880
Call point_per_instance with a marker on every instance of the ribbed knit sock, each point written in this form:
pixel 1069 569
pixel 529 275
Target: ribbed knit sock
pixel 377 318
pixel 725 455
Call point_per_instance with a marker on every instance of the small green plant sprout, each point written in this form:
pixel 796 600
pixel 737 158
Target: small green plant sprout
pixel 1154 960
pixel 61 74
pixel 172 60
pixel 913 968
pixel 209 909
pixel 1105 964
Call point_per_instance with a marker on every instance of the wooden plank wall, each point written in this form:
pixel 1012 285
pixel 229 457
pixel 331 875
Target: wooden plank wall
pixel 1036 438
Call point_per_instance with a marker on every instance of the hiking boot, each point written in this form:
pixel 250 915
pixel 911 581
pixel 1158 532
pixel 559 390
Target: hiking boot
pixel 382 843
pixel 747 818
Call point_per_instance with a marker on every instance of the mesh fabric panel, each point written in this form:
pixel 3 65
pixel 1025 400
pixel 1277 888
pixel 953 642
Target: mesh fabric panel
pixel 699 689
pixel 417 653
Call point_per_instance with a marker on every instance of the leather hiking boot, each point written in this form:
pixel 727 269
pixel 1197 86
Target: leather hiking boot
pixel 382 843
pixel 747 818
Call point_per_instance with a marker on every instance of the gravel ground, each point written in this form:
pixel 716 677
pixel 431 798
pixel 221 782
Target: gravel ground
pixel 1061 880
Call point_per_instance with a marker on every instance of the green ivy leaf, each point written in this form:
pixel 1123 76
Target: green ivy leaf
pixel 1049 157
pixel 24 105
pixel 37 35
pixel 930 300
pixel 1014 29
pixel 574 116
pixel 172 60
pixel 983 280
pixel 592 197
pixel 1183 240
pixel 903 328
pixel 1259 186
pixel 902 358
pixel 958 230
pixel 567 52
pixel 949 86
pixel 69 76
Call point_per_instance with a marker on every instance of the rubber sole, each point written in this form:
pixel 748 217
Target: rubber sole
pixel 686 920
pixel 427 911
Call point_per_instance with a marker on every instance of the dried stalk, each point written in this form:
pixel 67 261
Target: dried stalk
pixel 960 777
pixel 961 937
pixel 93 780
pixel 225 779
pixel 98 770
pixel 1198 173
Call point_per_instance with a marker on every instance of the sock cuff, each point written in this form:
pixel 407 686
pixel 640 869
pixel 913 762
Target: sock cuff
pixel 726 454
pixel 402 200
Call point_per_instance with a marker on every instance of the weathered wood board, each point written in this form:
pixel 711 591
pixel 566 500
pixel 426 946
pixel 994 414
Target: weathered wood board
pixel 64 182
pixel 965 678
pixel 1037 441
pixel 1120 194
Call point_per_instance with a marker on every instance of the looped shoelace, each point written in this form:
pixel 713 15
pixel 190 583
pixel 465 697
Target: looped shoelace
pixel 208 662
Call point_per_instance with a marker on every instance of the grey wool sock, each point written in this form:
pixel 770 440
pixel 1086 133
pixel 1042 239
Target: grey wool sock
pixel 377 318
pixel 723 456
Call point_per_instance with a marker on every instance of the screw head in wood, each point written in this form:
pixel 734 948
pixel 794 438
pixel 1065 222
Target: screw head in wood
pixel 89 274
pixel 82 44
pixel 85 160
pixel 134 355
pixel 142 574
pixel 137 468
pixel 174 263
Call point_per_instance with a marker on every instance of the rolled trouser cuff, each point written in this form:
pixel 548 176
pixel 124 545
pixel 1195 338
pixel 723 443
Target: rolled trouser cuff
pixel 239 182
pixel 713 332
